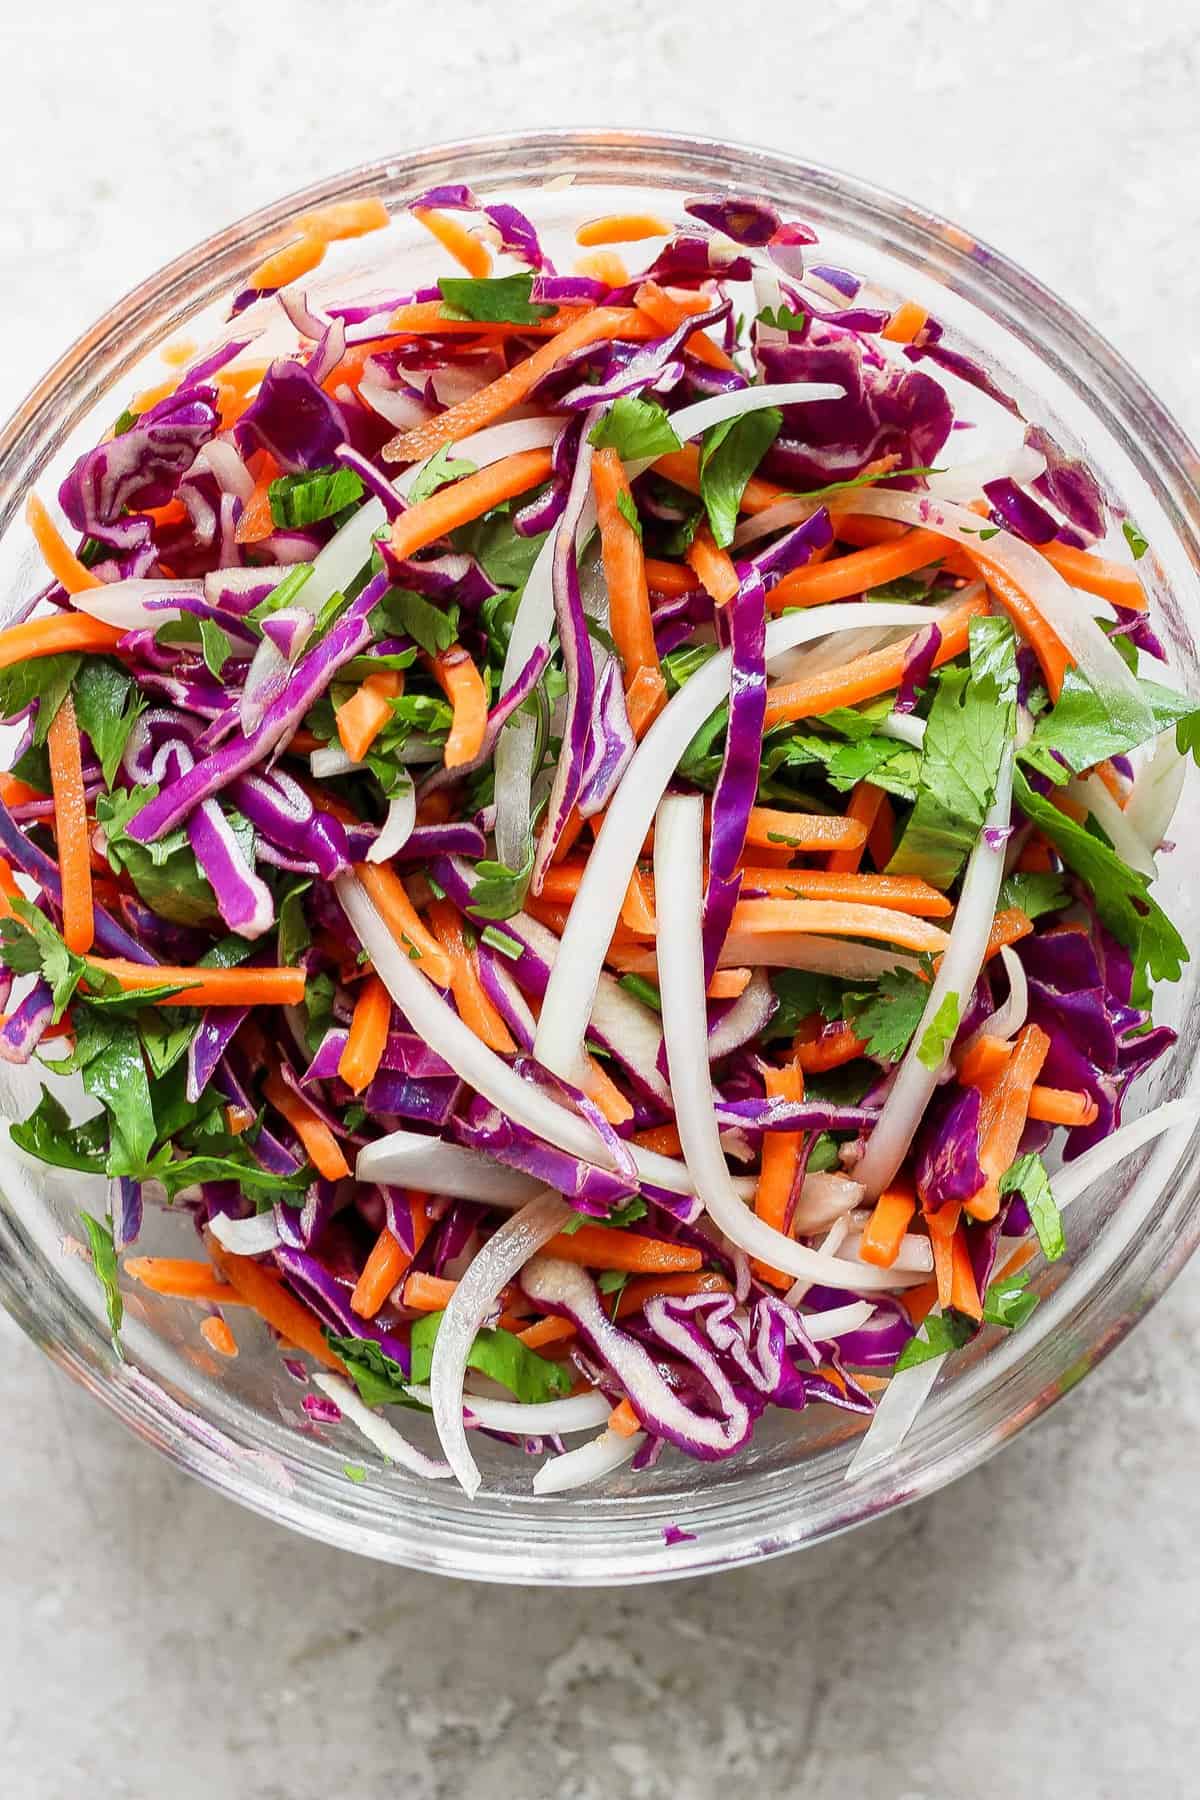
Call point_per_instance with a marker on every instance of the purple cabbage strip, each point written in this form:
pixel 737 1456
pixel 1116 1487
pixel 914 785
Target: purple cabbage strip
pixel 22 1031
pixel 612 743
pixel 219 1025
pixel 126 1206
pixel 1020 511
pixel 1069 485
pixel 293 419
pixel 281 810
pixel 918 666
pixel 330 1300
pixel 243 898
pixel 744 218
pixel 142 467
pixel 947 1148
pixel 737 784
pixel 20 850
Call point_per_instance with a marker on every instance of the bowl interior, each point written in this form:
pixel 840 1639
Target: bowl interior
pixel 240 1425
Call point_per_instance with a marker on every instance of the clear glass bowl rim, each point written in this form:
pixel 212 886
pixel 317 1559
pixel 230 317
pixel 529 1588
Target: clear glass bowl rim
pixel 1014 1383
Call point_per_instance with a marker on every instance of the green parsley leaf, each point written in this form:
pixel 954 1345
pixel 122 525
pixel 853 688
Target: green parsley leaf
pixel 1133 537
pixel 354 1472
pixel 165 873
pixel 1036 894
pixel 46 679
pixel 782 318
pixel 823 1157
pixel 319 993
pixel 642 990
pixel 378 1377
pixel 800 994
pixel 679 666
pixel 636 429
pixel 506 556
pixel 1028 1177
pixel 492 300
pixel 49 1135
pixel 107 705
pixel 628 511
pixel 1006 1302
pixel 218 646
pixel 117 1078
pixel 166 1033
pixel 410 615
pixel 1082 731
pixel 889 1014
pixel 441 469
pixel 499 1354
pixel 940 1334
pixel 300 500
pixel 938 1035
pixel 629 1214
pixel 104 1262
pixel 499 891
pixel 293 936
pixel 729 454
pixel 31 945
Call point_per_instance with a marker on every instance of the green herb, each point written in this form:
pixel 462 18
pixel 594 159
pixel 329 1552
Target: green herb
pixel 938 1035
pixel 116 1076
pixel 319 993
pixel 638 430
pixel 679 666
pixel 1133 537
pixel 218 646
pixel 492 300
pixel 629 1214
pixel 905 587
pixel 46 679
pixel 49 1135
pixel 165 873
pixel 628 511
pixel 642 990
pixel 939 1335
pixel 499 891
pixel 1081 730
pixel 505 556
pixel 801 994
pixel 611 1281
pixel 107 705
pixel 354 1472
pixel 1007 1303
pixel 823 1156
pixel 282 594
pixel 104 1262
pixel 32 946
pixel 729 454
pixel 1036 893
pixel 782 318
pixel 125 422
pixel 441 469
pixel 300 500
pixel 499 1354
pixel 379 1379
pixel 293 935
pixel 889 1014
pixel 406 614
pixel 1028 1177
pixel 500 940
pixel 166 1033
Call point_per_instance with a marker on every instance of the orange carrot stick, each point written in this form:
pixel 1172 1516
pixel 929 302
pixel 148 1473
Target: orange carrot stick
pixel 779 1162
pixel 363 716
pixel 1008 927
pixel 624 1421
pixel 638 909
pixel 904 324
pixel 856 571
pixel 1003 1114
pixel 389 897
pixel 461 501
pixel 620 228
pixel 713 566
pixel 919 1302
pixel 264 1291
pixel 728 984
pixel 547 1331
pixel 427 318
pixel 344 219
pixel 207 987
pixel 837 1045
pixel 866 677
pixel 367 1038
pixel 605 1247
pixel 964 1293
pixel 182 1278
pixel 907 893
pixel 662 1138
pixel 1062 1106
pixel 683 468
pixel 500 396
pixel 836 919
pixel 602 265
pixel 322 1148
pixel 624 567
pixel 1096 575
pixel 669 312
pixel 864 807
pixel 462 685
pixel 670 579
pixel 51 636
pixel 453 236
pixel 286 265
pixel 768 826
pixel 474 1007
pixel 635 1293
pixel 645 698
pixel 381 1271
pixel 881 839
pixel 982 1062
pixel 218 1337
pixel 71 829
pixel 603 1091
pixel 942 1226
pixel 1053 656
pixel 61 561
pixel 428 1293
pixel 884 1231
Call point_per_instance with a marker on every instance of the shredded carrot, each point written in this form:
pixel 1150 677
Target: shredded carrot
pixel 866 677
pixel 844 576
pixel 61 561
pixel 603 265
pixel 428 1293
pixel 907 893
pixel 509 390
pixel 238 1119
pixel 263 1290
pixel 683 468
pixel 620 228
pixel 247 986
pixel 919 1302
pixel 713 566
pixel 552 1330
pixel 669 312
pixel 344 219
pixel 462 685
pixel 624 1421
pixel 1095 575
pixel 670 579
pixel 805 831
pixel 884 1231
pixel 1008 927
pixel 363 716
pixel 728 984
pixel 864 808
pixel 1053 656
pixel 218 1337
pixel 389 897
pixel 964 1292
pixel 286 265
pixel 638 908
pixel 474 1008
pixel 607 1247
pixel 905 323
pixel 1020 1258
pixel 321 1147
pixel 862 530
pixel 942 1226
pixel 71 829
pixel 1105 773
pixel 983 1060
pixel 454 237
pixel 645 698
pixel 15 792
pixel 837 920
pixel 634 1294
pixel 603 1091
pixel 663 1139
pixel 881 839
pixel 257 520
pixel 469 498
pixel 1062 1106
pixel 779 1164
pixel 427 318
pixel 182 1278
pixel 624 567
pixel 367 1038
pixel 837 1045
pixel 381 1271
pixel 1003 1114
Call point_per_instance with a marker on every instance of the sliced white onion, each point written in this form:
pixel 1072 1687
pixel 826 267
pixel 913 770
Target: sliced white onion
pixel 230 471
pixel 678 870
pixel 386 1439
pixel 126 604
pixel 824 1327
pixel 575 1468
pixel 793 950
pixel 397 827
pixel 824 1198
pixel 400 406
pixel 905 728
pixel 915 1253
pixel 570 993
pixel 907 1392
pixel 333 760
pixel 471 1303
pixel 913 1087
pixel 1008 1019
pixel 745 1018
pixel 411 1159
pixel 546 1418
pixel 245 1237
pixel 830 1244
pixel 692 421
pixel 1125 838
pixel 966 480
pixel 1157 790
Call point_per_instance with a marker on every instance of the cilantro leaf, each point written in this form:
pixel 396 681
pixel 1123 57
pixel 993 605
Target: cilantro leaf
pixel 628 1214
pixel 410 615
pixel 1081 731
pixel 499 1354
pixel 939 1335
pixel 116 1076
pixel 799 994
pixel 1006 1302
pixel 1036 893
pixel 49 1135
pixel 299 500
pixel 441 468
pixel 499 891
pixel 506 556
pixel 635 428
pixel 104 1262
pixel 1028 1177
pixel 1122 894
pixel 378 1377
pixel 938 1035
pixel 46 679
pixel 889 1014
pixel 107 705
pixel 729 454
pixel 292 934
pixel 1133 537
pixel 218 646
pixel 782 318
pixel 627 508
pixel 492 300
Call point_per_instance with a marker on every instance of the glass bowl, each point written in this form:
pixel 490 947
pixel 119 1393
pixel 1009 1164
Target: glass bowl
pixel 239 1426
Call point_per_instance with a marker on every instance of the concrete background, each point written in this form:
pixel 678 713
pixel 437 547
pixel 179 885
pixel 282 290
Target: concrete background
pixel 1029 1632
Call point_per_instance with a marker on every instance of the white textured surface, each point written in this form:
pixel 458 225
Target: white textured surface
pixel 1028 1633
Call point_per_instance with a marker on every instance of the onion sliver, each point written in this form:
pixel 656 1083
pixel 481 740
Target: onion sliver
pixel 489 1272
pixel 1126 840
pixel 245 1237
pixel 138 603
pixel 397 827
pixel 574 1468
pixel 571 990
pixel 412 1159
pixel 544 1418
pixel 1008 1019
pixel 1156 791
pixel 678 848
pixel 386 1439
